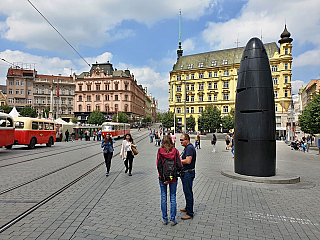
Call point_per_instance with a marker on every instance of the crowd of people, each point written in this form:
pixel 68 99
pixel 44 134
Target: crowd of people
pixel 303 144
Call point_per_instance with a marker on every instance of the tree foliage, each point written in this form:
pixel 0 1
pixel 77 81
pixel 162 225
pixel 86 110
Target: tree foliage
pixel 46 111
pixel 210 119
pixel 28 111
pixel 309 120
pixel 6 108
pixel 167 119
pixel 96 117
pixel 191 122
pixel 74 120
pixel 159 117
pixel 122 117
pixel 228 121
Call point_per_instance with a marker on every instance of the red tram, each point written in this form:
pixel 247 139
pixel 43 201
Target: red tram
pixel 116 129
pixel 6 131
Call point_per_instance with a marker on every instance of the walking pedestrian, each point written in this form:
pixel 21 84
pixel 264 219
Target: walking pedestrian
pixel 167 154
pixel 81 134
pixel 67 136
pixel 94 136
pixel 73 135
pixel 126 153
pixel 151 136
pixel 107 145
pixel 99 135
pixel 198 138
pixel 157 139
pixel 213 142
pixel 189 164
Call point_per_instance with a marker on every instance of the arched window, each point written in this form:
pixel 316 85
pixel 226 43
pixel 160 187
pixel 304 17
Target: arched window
pixel 126 108
pixel 98 107
pixel 88 108
pixel 107 108
pixel 80 108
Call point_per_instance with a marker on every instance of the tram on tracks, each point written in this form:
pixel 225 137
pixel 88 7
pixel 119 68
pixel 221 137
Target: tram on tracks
pixel 32 131
pixel 115 129
pixel 6 131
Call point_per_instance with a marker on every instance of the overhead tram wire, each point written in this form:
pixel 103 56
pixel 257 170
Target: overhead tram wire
pixel 58 32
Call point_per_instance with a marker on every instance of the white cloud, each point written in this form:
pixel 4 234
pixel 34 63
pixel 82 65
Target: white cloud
pixel 296 85
pixel 268 16
pixel 90 23
pixel 188 45
pixel 311 57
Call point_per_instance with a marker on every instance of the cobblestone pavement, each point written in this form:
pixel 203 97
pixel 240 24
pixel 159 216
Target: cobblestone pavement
pixel 123 207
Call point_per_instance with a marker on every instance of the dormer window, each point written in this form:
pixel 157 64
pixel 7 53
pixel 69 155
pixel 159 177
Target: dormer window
pixel 190 66
pixel 181 67
pixel 214 63
pixel 224 62
pixel 200 65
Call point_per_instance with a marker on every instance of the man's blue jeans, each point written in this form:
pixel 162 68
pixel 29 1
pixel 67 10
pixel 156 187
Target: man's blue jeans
pixel 173 203
pixel 187 181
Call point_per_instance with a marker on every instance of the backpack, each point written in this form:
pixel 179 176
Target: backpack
pixel 168 168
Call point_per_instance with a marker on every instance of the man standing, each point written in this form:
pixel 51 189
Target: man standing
pixel 189 163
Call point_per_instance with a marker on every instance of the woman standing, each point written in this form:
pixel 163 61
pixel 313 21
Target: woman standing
pixel 107 145
pixel 126 153
pixel 213 142
pixel 168 151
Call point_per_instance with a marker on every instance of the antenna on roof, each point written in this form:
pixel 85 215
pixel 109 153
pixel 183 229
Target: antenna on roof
pixel 261 35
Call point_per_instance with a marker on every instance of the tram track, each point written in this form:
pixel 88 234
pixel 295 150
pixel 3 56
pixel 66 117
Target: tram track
pixel 56 193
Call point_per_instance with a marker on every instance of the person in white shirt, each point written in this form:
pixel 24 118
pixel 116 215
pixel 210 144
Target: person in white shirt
pixel 126 153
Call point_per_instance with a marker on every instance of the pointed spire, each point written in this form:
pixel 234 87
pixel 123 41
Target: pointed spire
pixel 285 36
pixel 179 51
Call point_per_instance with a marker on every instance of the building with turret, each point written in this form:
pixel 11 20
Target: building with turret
pixel 201 79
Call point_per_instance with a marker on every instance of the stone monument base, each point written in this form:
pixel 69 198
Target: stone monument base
pixel 279 178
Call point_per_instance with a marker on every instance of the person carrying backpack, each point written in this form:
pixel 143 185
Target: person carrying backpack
pixel 168 165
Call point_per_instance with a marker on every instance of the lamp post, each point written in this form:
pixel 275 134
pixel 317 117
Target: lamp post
pixel 174 119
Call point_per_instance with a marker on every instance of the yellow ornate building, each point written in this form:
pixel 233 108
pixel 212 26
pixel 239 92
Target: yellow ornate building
pixel 211 78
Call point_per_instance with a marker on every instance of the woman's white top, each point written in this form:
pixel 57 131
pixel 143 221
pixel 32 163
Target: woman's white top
pixel 128 146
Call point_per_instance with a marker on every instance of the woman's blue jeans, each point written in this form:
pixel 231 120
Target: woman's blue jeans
pixel 173 203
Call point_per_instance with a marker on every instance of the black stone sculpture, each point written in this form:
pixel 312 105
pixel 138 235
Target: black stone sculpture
pixel 254 140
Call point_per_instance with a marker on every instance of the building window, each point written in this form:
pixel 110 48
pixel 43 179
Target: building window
pixel 214 63
pixel 80 108
pixel 215 85
pixel 187 99
pixel 126 97
pixel 179 78
pixel 286 93
pixel 70 112
pixel 226 73
pixel 107 108
pixel 192 98
pixel 187 110
pixel 107 97
pixel 190 66
pixel 29 84
pixel 200 109
pixel 226 96
pixel 192 109
pixel 42 100
pixel 36 100
pixel 63 101
pixel 274 68
pixel 215 74
pixel 192 87
pixel 116 97
pixel 276 109
pixel 210 86
pixel 88 108
pixel 215 97
pixel 200 65
pixel 88 98
pixel 178 88
pixel 29 92
pixel 225 109
pixel 80 98
pixel 178 99
pixel 210 75
pixel 201 86
pixel 88 89
pixel 22 100
pixel 107 87
pixel 98 107
pixel 201 75
pixel 10 91
pixel 209 97
pixel 49 101
pixel 181 67
pixel 29 101
pixel 98 87
pixel 188 87
pixel 275 80
pixel 116 87
pixel 126 108
pixel 286 66
pixel 69 92
pixel 10 82
pixel 63 111
pixel 10 100
pixel 286 79
pixel 63 92
pixel 37 90
pixel 224 62
pixel 192 76
pixel 286 51
pixel 17 82
pixel 275 94
pixel 225 84
pixel 70 102
pixel 17 91
pixel 187 77
pixel 80 88
pixel 17 100
pixel 22 83
pixel 178 110
pixel 200 98
pixel 22 92
pixel 97 97
pixel 42 91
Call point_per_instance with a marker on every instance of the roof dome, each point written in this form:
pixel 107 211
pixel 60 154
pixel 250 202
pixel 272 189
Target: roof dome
pixel 285 36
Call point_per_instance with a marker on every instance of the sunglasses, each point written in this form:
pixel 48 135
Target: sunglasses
pixel 181 140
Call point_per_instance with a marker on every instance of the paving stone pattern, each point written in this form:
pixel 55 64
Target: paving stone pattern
pixel 123 207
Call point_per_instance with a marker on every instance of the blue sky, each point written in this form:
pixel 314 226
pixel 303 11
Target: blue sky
pixel 143 35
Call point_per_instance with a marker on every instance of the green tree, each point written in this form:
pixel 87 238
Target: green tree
pixel 210 119
pixel 167 119
pixel 46 111
pixel 74 120
pixel 228 121
pixel 149 119
pixel 28 111
pixel 309 120
pixel 122 117
pixel 159 117
pixel 191 122
pixel 6 108
pixel 96 117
